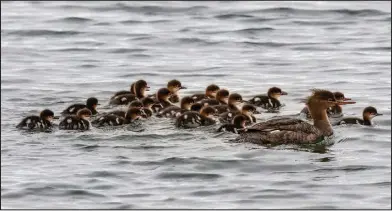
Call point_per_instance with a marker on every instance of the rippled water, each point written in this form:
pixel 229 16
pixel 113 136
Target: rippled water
pixel 58 53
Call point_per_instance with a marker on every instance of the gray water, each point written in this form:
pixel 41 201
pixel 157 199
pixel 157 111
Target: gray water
pixel 54 54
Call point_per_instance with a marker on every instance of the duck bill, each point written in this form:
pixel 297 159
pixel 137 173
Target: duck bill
pixel 244 101
pixel 183 87
pixel 147 88
pixel 283 93
pixel 346 102
pixel 346 99
pixel 378 114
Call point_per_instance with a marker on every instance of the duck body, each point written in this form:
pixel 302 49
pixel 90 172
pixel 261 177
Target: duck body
pixel 110 120
pixel 73 122
pixel 34 122
pixel 353 120
pixel 73 109
pixel 238 122
pixel 171 112
pixel 228 117
pixel 123 99
pixel 265 102
pixel 193 119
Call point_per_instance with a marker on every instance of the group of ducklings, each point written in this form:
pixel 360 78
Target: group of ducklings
pixel 208 108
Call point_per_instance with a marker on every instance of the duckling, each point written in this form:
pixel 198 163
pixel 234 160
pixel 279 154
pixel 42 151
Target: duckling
pixel 235 99
pixel 132 115
pixel 91 104
pixel 173 86
pixel 138 88
pixel 121 113
pixel 368 114
pixel 196 107
pixel 162 100
pixel 148 102
pixel 221 98
pixel 239 122
pixel 210 93
pixel 43 121
pixel 269 101
pixel 247 111
pixel 193 119
pixel 174 111
pixel 76 122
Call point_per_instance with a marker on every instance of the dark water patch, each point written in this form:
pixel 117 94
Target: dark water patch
pixel 232 16
pixel 144 147
pixel 103 174
pixel 87 147
pixel 284 194
pixel 87 66
pixel 132 22
pixel 15 81
pixel 183 175
pixel 266 44
pixel 323 23
pixel 38 32
pixel 320 207
pixel 140 55
pixel 127 50
pixel 103 187
pixel 76 49
pixel 72 20
pixel 385 48
pixel 260 20
pixel 81 193
pixel 149 10
pixel 134 195
pixel 349 12
pixel 352 168
pixel 214 192
pixel 196 41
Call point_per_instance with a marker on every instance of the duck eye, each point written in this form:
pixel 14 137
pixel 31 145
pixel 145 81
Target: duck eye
pixel 330 100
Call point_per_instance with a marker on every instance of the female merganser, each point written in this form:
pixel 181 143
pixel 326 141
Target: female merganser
pixel 138 88
pixel 76 122
pixel 210 93
pixel 239 122
pixel 91 104
pixel 174 111
pixel 221 98
pixel 234 101
pixel 335 111
pixel 43 121
pixel 148 102
pixel 162 100
pixel 296 131
pixel 368 114
pixel 131 115
pixel 193 119
pixel 138 91
pixel 269 101
pixel 247 111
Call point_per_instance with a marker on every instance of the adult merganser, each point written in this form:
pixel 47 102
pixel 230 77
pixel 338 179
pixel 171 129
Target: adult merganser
pixel 296 131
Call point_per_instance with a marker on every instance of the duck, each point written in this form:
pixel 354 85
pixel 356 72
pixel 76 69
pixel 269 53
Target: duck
pixel 148 102
pixel 174 111
pixel 91 104
pixel 247 110
pixel 196 107
pixel 138 91
pixel 42 122
pixel 173 86
pixel 78 121
pixel 162 100
pixel 234 101
pixel 335 111
pixel 131 116
pixel 221 98
pixel 120 113
pixel 138 88
pixel 193 119
pixel 210 93
pixel 238 122
pixel 269 101
pixel 367 115
pixel 294 130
